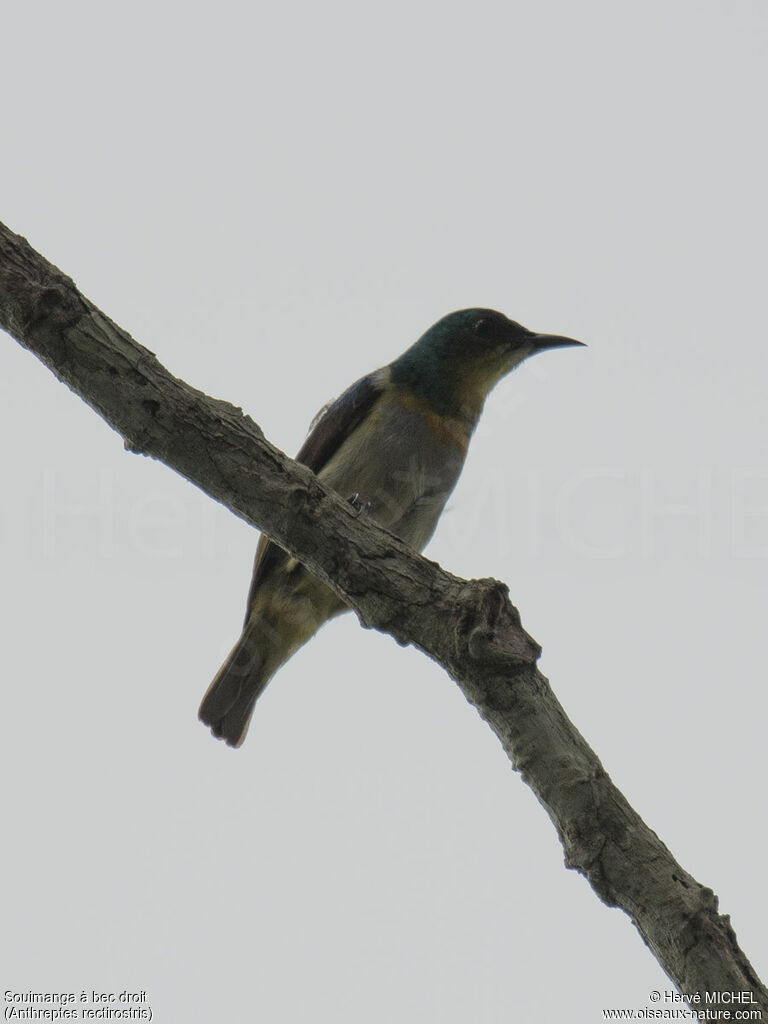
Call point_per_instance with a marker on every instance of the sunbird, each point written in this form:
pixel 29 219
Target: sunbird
pixel 394 443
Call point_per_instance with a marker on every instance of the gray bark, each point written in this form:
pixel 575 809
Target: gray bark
pixel 467 626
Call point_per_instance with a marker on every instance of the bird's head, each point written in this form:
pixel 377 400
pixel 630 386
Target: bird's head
pixel 459 359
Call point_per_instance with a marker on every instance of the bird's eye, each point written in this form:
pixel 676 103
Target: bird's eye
pixel 482 327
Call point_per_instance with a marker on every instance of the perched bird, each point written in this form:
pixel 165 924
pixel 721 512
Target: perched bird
pixel 395 442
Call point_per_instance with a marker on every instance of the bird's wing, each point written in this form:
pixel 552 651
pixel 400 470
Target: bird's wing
pixel 328 431
pixel 337 420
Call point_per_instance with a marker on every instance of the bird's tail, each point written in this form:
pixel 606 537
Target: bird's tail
pixel 228 702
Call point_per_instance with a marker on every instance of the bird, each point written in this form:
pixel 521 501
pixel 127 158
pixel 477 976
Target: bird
pixel 394 443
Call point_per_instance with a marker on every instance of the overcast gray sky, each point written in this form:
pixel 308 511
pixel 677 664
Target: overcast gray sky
pixel 276 200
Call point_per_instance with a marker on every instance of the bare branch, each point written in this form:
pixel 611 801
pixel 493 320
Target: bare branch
pixel 469 627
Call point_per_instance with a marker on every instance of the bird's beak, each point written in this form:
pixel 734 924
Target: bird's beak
pixel 542 341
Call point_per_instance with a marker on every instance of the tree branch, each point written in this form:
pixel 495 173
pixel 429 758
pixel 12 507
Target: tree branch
pixel 469 627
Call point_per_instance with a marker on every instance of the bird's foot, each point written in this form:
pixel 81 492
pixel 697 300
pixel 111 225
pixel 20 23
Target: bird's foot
pixel 361 507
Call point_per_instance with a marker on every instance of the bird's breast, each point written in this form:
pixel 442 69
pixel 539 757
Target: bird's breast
pixel 404 460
